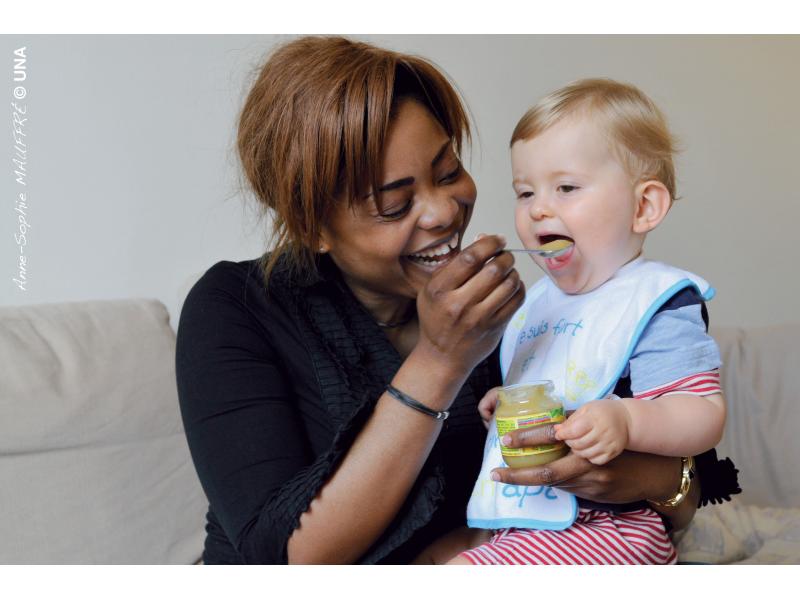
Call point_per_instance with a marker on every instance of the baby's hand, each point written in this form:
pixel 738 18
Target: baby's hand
pixel 487 405
pixel 597 431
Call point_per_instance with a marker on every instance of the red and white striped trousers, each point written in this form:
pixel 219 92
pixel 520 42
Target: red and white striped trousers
pixel 595 538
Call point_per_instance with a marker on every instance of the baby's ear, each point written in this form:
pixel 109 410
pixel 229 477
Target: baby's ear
pixel 652 205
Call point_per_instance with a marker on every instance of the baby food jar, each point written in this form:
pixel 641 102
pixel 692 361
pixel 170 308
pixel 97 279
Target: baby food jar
pixel 528 405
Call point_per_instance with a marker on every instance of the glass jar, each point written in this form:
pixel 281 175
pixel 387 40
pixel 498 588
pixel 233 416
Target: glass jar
pixel 523 406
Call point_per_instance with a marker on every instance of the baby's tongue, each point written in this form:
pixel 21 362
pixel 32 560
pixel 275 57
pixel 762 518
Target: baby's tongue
pixel 561 261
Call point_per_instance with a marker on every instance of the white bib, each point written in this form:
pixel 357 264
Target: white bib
pixel 582 343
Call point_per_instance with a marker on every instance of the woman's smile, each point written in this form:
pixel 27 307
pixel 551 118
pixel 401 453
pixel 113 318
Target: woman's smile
pixel 438 254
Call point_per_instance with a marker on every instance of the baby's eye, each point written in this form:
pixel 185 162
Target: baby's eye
pixel 566 189
pixel 524 195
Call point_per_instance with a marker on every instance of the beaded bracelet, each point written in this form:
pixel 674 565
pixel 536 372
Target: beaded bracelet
pixel 409 401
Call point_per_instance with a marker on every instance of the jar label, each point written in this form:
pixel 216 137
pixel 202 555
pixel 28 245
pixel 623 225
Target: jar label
pixel 506 424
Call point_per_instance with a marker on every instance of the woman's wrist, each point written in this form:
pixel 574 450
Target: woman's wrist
pixel 681 515
pixel 680 493
pixel 430 379
pixel 668 481
pixel 426 358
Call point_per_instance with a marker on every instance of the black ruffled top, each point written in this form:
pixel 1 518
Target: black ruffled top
pixel 274 387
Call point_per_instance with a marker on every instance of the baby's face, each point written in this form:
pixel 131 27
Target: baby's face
pixel 569 184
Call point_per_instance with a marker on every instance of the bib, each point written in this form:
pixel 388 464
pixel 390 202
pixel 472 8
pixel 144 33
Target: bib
pixel 582 343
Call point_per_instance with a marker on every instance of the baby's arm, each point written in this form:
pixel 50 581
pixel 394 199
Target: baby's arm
pixel 673 419
pixel 677 424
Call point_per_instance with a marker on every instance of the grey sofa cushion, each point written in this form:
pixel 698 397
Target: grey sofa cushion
pixel 94 466
pixel 761 433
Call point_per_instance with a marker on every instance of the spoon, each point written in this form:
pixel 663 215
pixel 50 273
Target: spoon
pixel 549 250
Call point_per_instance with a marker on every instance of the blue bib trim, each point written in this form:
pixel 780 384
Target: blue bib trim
pixel 645 320
pixel 525 523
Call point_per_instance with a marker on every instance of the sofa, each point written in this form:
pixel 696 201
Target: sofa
pixel 94 466
pixel 762 524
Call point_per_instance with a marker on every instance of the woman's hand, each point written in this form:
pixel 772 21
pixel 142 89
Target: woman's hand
pixel 462 312
pixel 465 306
pixel 629 477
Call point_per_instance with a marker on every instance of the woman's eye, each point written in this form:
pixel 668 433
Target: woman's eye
pixel 566 189
pixel 452 175
pixel 391 214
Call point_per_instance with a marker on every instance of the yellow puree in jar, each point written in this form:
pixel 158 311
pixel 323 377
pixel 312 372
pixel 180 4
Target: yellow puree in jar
pixel 524 406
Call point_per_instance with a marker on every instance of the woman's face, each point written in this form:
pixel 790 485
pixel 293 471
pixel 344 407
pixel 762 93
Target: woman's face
pixel 427 203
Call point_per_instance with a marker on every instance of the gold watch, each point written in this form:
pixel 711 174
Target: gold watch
pixel 687 472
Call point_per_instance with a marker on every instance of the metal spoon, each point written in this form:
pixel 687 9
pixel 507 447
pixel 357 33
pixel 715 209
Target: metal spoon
pixel 543 252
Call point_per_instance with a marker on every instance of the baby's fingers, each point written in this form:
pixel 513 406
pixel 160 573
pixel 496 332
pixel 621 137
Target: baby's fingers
pixel 487 405
pixel 599 457
pixel 582 443
pixel 597 454
pixel 573 428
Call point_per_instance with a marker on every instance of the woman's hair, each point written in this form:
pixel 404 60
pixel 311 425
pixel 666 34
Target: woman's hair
pixel 636 128
pixel 313 129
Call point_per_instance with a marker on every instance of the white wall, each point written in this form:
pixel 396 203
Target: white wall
pixel 133 185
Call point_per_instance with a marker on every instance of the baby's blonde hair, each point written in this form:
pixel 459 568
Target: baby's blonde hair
pixel 635 126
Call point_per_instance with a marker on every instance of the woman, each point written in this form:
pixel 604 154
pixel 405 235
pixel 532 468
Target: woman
pixel 315 382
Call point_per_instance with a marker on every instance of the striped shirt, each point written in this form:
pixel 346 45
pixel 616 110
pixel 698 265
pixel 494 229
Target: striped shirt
pixel 596 538
pixel 700 384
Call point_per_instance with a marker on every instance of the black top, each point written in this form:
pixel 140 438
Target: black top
pixel 274 386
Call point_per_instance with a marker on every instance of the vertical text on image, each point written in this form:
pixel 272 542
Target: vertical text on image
pixel 19 123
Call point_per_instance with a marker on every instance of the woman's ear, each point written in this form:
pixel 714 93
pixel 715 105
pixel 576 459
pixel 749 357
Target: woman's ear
pixel 652 205
pixel 322 246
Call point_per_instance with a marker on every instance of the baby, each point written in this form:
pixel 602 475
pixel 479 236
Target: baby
pixel 623 339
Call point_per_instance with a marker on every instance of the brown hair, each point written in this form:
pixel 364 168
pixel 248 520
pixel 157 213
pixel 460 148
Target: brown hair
pixel 635 126
pixel 314 125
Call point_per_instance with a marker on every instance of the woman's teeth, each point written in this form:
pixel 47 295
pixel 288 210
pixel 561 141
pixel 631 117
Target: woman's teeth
pixel 437 254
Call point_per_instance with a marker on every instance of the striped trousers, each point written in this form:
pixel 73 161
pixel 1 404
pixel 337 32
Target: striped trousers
pixel 595 538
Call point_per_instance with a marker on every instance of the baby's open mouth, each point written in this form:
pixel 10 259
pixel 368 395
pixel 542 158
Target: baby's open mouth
pixel 552 237
pixel 436 255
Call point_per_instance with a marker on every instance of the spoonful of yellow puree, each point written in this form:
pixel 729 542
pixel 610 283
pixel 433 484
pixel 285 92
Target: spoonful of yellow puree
pixel 552 249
